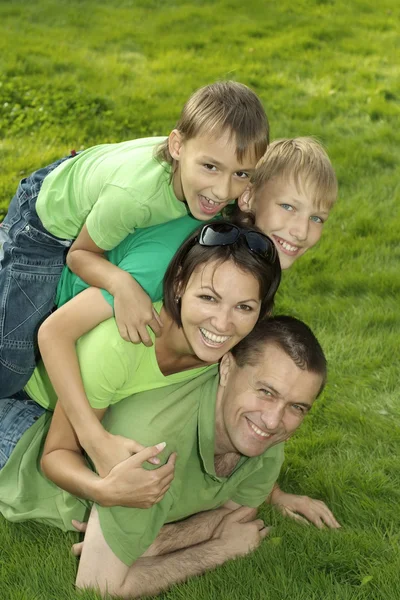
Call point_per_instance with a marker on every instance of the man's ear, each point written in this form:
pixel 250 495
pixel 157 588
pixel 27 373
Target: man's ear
pixel 175 141
pixel 246 200
pixel 225 367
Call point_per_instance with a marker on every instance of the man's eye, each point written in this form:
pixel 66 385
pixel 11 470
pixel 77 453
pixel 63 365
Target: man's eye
pixel 298 408
pixel 266 392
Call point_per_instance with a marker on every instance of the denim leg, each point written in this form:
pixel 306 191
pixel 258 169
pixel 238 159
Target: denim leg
pixel 16 416
pixel 31 262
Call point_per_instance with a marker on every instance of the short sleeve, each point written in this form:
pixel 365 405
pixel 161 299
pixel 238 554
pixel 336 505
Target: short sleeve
pixel 103 363
pixel 129 532
pixel 115 214
pixel 255 488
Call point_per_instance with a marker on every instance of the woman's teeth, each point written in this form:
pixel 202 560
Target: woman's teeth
pixel 212 337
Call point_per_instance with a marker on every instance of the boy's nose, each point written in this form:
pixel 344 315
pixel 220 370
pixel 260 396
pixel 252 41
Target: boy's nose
pixel 299 228
pixel 221 189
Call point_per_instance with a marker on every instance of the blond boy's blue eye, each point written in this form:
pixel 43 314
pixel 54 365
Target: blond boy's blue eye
pixel 287 206
pixel 316 219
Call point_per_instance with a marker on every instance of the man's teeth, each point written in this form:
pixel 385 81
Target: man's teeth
pixel 259 431
pixel 288 246
pixel 212 337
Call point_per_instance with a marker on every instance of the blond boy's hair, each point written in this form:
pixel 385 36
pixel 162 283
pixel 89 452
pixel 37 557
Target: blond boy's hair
pixel 303 160
pixel 224 106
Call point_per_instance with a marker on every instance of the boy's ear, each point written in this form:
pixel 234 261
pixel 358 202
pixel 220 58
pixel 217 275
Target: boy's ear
pixel 225 366
pixel 246 199
pixel 175 140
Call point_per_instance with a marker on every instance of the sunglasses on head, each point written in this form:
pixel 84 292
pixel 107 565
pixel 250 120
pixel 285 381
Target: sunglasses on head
pixel 226 234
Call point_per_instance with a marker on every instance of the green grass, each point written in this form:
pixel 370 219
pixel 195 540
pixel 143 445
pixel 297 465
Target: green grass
pixel 85 72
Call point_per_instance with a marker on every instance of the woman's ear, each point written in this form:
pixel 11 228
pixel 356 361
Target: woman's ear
pixel 175 142
pixel 245 201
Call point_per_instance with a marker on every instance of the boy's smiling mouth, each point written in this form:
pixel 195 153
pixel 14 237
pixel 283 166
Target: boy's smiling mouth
pixel 285 246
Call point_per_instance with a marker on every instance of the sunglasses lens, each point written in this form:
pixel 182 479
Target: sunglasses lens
pixel 219 235
pixel 260 244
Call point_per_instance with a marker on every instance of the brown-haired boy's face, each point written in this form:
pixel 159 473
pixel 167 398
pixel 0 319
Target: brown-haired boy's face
pixel 208 173
pixel 287 214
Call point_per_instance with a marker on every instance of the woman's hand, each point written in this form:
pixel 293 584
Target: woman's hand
pixel 134 311
pixel 293 506
pixel 107 450
pixel 129 484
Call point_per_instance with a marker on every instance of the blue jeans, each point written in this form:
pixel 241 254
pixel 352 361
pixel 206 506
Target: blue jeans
pixel 31 261
pixel 17 414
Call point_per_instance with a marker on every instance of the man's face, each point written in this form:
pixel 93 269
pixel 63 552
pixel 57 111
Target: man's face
pixel 287 214
pixel 208 173
pixel 262 405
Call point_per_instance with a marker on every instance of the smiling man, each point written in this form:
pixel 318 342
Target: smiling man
pixel 228 431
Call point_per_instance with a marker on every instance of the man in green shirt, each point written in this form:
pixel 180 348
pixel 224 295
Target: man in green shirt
pixel 228 434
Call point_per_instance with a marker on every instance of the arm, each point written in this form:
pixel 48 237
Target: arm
pixel 87 260
pixel 293 505
pixel 128 484
pixel 236 535
pixel 57 338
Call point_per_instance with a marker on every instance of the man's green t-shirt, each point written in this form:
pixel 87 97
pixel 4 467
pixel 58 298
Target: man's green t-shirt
pixel 182 415
pixel 145 255
pixel 113 188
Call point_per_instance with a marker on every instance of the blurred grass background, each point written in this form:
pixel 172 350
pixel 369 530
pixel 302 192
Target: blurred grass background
pixel 80 73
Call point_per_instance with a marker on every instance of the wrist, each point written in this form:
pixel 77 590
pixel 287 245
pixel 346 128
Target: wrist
pixel 92 437
pixel 118 282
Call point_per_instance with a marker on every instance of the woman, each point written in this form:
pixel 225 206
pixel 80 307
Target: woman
pixel 220 283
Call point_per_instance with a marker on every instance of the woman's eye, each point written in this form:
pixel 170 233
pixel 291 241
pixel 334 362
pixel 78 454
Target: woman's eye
pixel 245 307
pixel 317 219
pixel 210 167
pixel 206 298
pixel 287 206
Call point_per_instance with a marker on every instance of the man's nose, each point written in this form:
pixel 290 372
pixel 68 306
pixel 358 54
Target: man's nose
pixel 272 416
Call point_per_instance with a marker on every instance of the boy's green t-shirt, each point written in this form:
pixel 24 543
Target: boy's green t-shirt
pixel 111 368
pixel 145 255
pixel 113 188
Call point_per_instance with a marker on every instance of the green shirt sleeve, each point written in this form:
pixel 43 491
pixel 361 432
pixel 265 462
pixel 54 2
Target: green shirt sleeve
pixel 103 363
pixel 254 489
pixel 115 214
pixel 130 531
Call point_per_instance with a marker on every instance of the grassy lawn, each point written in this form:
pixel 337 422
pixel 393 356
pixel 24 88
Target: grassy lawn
pixel 80 73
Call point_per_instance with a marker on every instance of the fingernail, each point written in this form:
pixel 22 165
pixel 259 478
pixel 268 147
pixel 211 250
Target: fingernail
pixel 161 445
pixel 155 461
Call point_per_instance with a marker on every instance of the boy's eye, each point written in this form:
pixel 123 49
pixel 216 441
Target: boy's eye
pixel 317 219
pixel 242 174
pixel 210 167
pixel 287 206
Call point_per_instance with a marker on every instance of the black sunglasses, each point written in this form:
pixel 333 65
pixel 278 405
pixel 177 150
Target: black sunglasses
pixel 226 234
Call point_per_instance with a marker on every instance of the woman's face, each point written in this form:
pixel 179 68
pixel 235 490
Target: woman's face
pixel 219 307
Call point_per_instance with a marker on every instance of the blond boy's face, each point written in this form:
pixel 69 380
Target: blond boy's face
pixel 287 214
pixel 208 174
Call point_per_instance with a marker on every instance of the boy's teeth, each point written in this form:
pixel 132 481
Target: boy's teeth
pixel 209 201
pixel 217 339
pixel 288 246
pixel 259 431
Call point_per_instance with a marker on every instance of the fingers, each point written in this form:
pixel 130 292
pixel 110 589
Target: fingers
pixel 147 453
pixel 264 532
pixel 156 324
pixel 79 525
pixel 77 549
